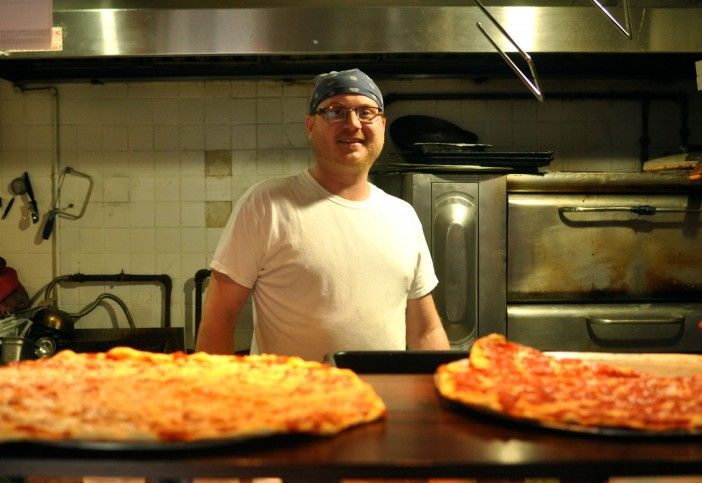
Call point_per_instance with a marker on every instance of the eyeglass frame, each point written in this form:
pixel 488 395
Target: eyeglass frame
pixel 322 112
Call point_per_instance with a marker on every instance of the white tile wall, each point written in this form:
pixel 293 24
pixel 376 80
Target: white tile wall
pixel 144 145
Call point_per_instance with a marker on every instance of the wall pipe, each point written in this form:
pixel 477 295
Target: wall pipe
pixel 122 277
pixel 200 277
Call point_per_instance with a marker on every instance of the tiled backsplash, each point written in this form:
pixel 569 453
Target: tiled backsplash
pixel 168 160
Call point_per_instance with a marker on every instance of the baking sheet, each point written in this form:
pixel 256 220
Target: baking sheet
pixel 451 147
pixel 393 361
pixel 494 158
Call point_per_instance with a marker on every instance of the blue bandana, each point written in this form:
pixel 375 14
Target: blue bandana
pixel 335 83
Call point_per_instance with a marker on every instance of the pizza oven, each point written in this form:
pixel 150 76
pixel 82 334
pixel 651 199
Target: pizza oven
pixel 605 262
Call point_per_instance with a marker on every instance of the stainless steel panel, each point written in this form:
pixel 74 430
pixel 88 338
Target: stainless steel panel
pixel 610 254
pixel 450 201
pixel 454 232
pixel 607 327
pixel 94 29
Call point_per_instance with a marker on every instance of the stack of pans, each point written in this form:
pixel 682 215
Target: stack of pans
pixel 428 140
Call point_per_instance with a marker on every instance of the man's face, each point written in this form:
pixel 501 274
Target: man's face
pixel 348 142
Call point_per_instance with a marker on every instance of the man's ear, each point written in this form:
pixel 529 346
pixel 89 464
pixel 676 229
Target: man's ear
pixel 309 123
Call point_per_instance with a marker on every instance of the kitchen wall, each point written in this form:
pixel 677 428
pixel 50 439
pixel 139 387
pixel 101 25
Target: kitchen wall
pixel 168 159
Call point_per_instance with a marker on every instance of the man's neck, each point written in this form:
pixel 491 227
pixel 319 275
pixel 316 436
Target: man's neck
pixel 351 186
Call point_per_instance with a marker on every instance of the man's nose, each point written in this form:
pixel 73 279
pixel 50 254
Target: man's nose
pixel 352 119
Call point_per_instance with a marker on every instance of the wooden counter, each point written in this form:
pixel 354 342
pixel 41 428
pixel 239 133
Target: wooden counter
pixel 419 439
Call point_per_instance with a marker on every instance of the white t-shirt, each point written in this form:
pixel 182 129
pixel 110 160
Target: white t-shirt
pixel 327 274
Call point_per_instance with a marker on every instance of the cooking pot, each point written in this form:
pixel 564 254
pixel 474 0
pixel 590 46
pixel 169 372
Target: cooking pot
pixel 409 132
pixel 54 318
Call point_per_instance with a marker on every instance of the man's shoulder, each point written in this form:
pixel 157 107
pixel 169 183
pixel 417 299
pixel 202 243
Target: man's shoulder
pixel 391 201
pixel 271 187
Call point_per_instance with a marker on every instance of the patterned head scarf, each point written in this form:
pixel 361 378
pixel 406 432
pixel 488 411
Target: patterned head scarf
pixel 352 81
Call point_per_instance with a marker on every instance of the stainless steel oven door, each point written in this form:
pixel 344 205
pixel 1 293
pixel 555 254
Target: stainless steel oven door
pixel 463 217
pixel 454 246
pixel 604 247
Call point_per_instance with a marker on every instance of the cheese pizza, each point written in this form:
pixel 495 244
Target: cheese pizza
pixel 130 395
pixel 523 383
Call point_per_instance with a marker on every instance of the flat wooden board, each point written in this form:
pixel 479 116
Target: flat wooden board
pixel 660 364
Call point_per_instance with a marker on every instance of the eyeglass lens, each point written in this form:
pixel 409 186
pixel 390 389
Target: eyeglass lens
pixel 337 113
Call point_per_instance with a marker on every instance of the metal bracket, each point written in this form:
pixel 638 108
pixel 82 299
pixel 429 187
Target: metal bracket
pixel 65 214
pixel 532 85
pixel 626 30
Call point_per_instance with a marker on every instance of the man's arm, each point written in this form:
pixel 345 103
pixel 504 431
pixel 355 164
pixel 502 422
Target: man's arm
pixel 424 328
pixel 223 304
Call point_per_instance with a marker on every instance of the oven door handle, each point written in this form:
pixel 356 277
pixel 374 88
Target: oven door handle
pixel 638 209
pixel 632 330
pixel 676 319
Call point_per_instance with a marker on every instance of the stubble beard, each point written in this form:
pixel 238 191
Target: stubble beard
pixel 349 162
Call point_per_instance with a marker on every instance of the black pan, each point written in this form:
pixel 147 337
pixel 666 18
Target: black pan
pixel 407 131
pixel 394 362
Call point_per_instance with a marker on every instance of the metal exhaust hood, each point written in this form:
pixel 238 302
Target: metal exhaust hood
pixel 109 40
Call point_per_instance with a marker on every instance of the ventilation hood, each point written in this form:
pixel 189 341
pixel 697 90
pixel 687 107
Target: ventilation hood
pixel 106 40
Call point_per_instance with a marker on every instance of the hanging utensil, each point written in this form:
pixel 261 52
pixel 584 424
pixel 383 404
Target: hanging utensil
pixel 49 225
pixel 8 207
pixel 56 211
pixel 32 201
pixel 18 188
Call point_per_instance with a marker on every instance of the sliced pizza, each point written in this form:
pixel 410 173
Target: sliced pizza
pixel 523 383
pixel 130 395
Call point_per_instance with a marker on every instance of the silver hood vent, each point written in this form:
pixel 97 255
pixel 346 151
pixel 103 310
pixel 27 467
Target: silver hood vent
pixel 103 40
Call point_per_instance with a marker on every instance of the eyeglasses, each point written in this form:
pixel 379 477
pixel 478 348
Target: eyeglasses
pixel 365 114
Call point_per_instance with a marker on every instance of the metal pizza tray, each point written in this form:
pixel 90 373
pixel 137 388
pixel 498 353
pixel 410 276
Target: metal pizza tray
pixel 607 431
pixel 146 447
pixel 393 362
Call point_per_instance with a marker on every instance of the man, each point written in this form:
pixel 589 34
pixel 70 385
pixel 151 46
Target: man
pixel 333 262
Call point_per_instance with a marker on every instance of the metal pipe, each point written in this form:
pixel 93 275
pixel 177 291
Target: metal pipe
pixel 122 277
pixel 200 277
pixel 624 29
pixel 645 138
pixel 637 209
pixel 91 306
pixel 531 84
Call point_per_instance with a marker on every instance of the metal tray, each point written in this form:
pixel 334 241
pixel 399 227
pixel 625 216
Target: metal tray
pixel 393 362
pixel 616 432
pixel 493 158
pixel 439 148
pixel 144 447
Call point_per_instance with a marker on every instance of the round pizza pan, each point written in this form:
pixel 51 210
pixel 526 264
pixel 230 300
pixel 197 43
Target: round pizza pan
pixel 616 432
pixel 156 446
